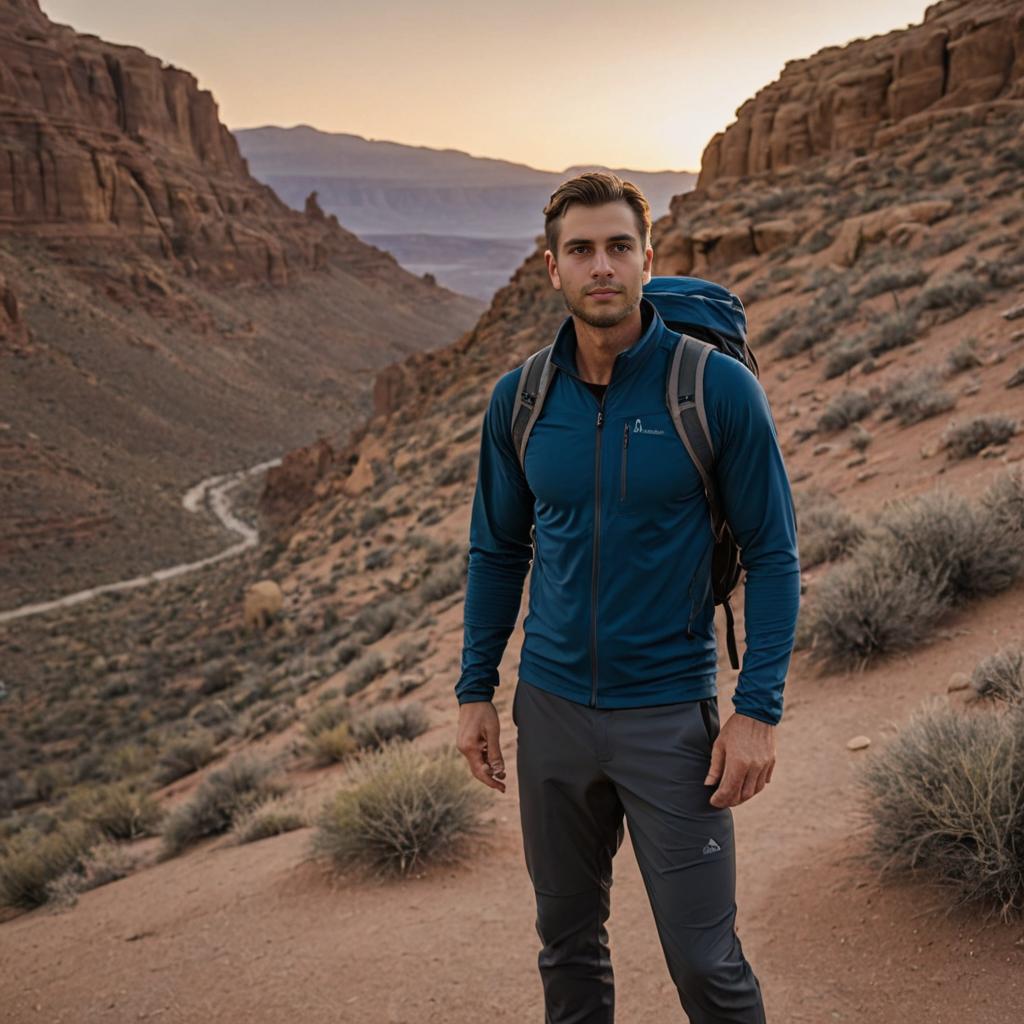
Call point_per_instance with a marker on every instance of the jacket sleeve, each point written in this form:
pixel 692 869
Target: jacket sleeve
pixel 758 504
pixel 500 548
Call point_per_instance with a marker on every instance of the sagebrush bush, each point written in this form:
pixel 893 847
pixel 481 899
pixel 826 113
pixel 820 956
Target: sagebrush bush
pixel 1004 499
pixel 845 409
pixel 327 716
pixel 1000 676
pixel 403 808
pixel 30 861
pixel 955 294
pixel 844 356
pixel 119 810
pixel 966 439
pixel 225 792
pixel 826 530
pixel 871 606
pixel 377 727
pixel 183 756
pixel 364 671
pixel 332 744
pixel 271 817
pixel 106 862
pixel 444 579
pixel 379 619
pixel 924 556
pixel 947 796
pixel 955 547
pixel 915 398
pixel 891 279
pixel 964 357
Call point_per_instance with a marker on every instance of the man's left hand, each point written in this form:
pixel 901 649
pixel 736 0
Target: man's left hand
pixel 743 756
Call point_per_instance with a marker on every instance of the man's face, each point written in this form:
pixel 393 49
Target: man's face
pixel 600 267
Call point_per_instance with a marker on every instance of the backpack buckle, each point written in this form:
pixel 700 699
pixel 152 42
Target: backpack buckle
pixel 528 399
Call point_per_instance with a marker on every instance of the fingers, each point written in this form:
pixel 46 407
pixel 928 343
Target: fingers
pixel 479 745
pixel 495 761
pixel 717 764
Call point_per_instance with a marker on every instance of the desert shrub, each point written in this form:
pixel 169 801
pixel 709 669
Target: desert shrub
pixel 403 809
pixel 872 605
pixel 956 294
pixel 844 356
pixel 371 517
pixel 30 861
pixel 947 796
pixel 779 325
pixel 845 408
pixel 404 722
pixel 966 439
pixel 915 398
pixel 826 530
pixel 106 862
pixel 410 653
pixel 891 279
pixel 860 438
pixel 220 677
pixel 184 756
pixel 118 810
pixel 1016 379
pixel 225 792
pixel 444 579
pixel 891 330
pixel 456 470
pixel 327 716
pixel 345 652
pixel 955 547
pixel 379 619
pixel 363 672
pixel 333 744
pixel 269 818
pixel 1004 499
pixel 1000 676
pixel 963 357
pixel 924 556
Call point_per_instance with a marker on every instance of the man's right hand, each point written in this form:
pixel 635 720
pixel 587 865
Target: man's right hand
pixel 478 742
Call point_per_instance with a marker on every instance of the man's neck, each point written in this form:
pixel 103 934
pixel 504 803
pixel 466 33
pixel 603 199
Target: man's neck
pixel 597 347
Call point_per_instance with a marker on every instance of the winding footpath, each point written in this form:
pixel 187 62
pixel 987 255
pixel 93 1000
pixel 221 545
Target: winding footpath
pixel 213 493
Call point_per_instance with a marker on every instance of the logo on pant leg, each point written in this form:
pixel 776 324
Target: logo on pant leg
pixel 712 847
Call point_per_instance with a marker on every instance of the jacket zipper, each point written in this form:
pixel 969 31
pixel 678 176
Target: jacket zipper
pixel 597 552
pixel 625 453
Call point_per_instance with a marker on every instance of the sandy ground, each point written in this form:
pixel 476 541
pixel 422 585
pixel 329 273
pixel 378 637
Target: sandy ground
pixel 257 933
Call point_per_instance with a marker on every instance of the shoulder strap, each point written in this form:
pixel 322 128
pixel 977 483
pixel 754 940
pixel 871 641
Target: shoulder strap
pixel 534 379
pixel 684 396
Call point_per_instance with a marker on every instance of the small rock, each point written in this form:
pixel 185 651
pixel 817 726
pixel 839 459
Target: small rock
pixel 994 452
pixel 958 681
pixel 1014 312
pixel 973 388
pixel 929 451
pixel 821 449
pixel 857 460
pixel 1017 336
pixel 1017 379
pixel 866 474
pixel 858 743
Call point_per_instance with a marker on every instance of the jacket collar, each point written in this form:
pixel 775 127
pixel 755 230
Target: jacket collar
pixel 563 353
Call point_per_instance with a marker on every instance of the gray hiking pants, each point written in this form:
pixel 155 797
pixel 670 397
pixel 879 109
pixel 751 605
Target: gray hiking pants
pixel 580 770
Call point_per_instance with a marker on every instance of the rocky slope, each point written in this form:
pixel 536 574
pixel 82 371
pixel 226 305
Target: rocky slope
pixel 163 315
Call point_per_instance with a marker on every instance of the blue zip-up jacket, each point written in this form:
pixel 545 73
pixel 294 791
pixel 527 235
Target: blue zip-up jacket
pixel 612 512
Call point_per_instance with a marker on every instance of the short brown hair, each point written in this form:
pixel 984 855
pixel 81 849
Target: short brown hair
pixel 594 188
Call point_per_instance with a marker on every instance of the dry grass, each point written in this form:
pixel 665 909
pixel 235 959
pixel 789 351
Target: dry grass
pixel 404 808
pixel 947 796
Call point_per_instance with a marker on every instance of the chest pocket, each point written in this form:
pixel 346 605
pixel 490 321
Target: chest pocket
pixel 655 471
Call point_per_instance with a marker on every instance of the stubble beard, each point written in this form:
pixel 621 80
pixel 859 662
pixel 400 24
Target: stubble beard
pixel 609 319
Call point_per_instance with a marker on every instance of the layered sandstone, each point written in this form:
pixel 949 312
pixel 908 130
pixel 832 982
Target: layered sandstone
pixel 861 95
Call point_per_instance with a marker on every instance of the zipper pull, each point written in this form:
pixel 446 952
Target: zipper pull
pixel 600 417
pixel 625 434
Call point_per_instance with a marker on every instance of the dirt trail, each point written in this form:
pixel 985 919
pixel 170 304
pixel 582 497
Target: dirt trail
pixel 254 933
pixel 214 494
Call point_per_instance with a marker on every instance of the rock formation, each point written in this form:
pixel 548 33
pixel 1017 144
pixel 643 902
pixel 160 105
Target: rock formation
pixel 855 97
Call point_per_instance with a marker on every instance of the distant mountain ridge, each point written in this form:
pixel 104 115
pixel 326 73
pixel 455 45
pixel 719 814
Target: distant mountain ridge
pixel 378 188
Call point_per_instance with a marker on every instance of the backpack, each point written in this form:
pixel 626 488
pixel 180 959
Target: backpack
pixel 706 316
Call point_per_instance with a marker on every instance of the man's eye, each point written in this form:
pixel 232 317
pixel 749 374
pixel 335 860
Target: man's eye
pixel 625 245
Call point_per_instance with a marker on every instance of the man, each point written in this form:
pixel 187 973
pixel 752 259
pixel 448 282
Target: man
pixel 616 705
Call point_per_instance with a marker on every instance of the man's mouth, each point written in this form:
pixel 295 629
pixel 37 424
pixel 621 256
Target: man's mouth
pixel 604 291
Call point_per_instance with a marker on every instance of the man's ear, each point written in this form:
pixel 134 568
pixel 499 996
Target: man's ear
pixel 648 264
pixel 552 266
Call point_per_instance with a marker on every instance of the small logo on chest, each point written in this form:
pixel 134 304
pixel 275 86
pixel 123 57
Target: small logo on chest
pixel 639 428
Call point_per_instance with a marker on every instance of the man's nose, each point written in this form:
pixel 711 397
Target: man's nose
pixel 601 265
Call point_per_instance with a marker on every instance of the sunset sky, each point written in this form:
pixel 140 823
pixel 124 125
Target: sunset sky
pixel 544 83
